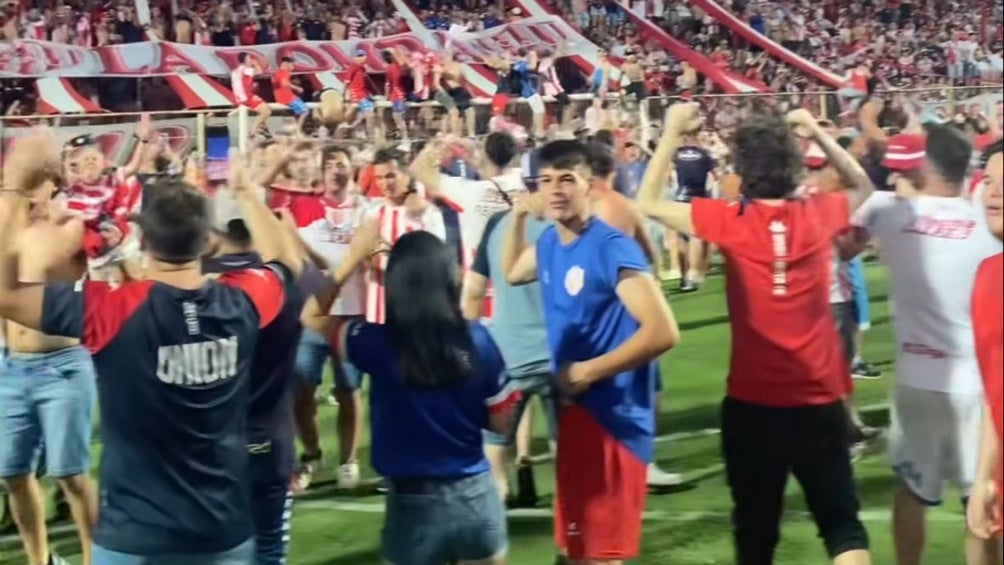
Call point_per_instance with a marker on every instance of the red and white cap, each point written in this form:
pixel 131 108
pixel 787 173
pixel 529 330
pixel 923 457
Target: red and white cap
pixel 904 152
pixel 814 157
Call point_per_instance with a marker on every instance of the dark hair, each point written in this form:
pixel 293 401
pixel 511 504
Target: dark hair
pixel 331 150
pixel 601 159
pixel 605 137
pixel 387 56
pixel 949 153
pixel 237 233
pixel 563 154
pixel 286 60
pixel 242 57
pixel 175 221
pixel 500 148
pixel 424 322
pixel 766 156
pixel 386 155
pixel 991 150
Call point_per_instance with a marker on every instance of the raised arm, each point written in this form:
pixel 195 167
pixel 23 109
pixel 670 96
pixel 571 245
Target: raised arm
pixel 28 177
pixel 519 258
pixel 860 185
pixel 682 118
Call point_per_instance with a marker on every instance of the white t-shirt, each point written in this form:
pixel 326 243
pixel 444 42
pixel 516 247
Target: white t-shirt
pixel 395 221
pixel 933 246
pixel 478 200
pixel 330 237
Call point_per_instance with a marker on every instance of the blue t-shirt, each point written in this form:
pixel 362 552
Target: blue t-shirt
pixel 425 432
pixel 586 319
pixel 518 314
pixel 174 392
pixel 627 181
pixel 526 87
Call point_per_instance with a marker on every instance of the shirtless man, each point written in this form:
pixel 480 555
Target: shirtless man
pixel 453 95
pixel 47 393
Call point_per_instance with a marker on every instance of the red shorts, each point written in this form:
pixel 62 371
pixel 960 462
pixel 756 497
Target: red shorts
pixel 499 104
pixel 252 102
pixel 601 491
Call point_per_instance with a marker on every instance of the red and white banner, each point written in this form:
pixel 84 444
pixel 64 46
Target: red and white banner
pixel 730 83
pixel 197 91
pixel 117 140
pixel 742 29
pixel 57 96
pixel 29 58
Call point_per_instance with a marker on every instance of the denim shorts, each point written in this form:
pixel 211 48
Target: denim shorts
pixel 243 554
pixel 536 384
pixel 313 352
pixel 443 521
pixel 46 399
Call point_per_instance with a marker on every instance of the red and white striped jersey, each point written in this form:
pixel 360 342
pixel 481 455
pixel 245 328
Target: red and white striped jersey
pixel 395 221
pixel 354 23
pixel 242 82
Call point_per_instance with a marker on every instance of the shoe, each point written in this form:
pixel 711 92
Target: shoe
pixel 348 476
pixel 382 485
pixel 659 478
pixel 856 451
pixel 866 371
pixel 670 275
pixel 687 286
pixel 526 487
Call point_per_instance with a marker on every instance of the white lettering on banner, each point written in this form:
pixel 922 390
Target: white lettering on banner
pixel 197 364
pixel 30 58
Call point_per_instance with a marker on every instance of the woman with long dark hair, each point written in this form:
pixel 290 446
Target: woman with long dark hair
pixel 437 382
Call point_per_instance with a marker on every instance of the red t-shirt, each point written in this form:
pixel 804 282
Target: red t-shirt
pixel 988 329
pixel 394 82
pixel 785 349
pixel 357 83
pixel 280 81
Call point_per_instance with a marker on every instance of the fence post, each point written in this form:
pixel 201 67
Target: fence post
pixel 242 129
pixel 200 133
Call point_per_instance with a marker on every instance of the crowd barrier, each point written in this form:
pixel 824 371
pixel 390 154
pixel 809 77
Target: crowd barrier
pixel 186 131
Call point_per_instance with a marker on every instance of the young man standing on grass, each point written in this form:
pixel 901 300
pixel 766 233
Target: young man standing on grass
pixel 607 322
pixel 933 242
pixel 986 504
pixel 783 411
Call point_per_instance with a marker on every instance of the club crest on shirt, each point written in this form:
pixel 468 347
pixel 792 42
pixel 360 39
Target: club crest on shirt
pixel 575 279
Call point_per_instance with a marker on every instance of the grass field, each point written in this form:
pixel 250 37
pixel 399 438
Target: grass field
pixel 687 527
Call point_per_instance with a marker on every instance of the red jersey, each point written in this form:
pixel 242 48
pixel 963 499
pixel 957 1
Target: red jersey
pixel 394 82
pixel 357 83
pixel 280 87
pixel 785 350
pixel 106 202
pixel 988 329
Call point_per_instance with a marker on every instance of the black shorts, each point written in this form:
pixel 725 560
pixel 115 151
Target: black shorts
pixel 685 195
pixel 761 446
pixel 461 98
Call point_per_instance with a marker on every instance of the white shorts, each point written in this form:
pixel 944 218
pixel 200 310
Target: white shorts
pixel 536 104
pixel 934 437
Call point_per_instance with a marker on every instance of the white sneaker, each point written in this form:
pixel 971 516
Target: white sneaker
pixel 659 478
pixel 348 476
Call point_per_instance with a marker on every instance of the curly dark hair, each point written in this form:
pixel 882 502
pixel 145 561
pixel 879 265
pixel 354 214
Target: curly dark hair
pixel 766 157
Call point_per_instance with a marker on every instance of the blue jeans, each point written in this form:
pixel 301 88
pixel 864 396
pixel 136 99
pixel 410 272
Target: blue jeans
pixel 311 354
pixel 243 554
pixel 859 292
pixel 432 521
pixel 538 384
pixel 46 399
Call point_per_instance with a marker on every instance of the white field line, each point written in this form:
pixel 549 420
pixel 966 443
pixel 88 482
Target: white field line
pixel 877 516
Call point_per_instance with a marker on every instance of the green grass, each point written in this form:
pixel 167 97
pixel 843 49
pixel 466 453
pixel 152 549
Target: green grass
pixel 687 527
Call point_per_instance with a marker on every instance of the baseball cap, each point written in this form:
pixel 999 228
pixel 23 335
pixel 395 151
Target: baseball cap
pixel 360 53
pixel 904 152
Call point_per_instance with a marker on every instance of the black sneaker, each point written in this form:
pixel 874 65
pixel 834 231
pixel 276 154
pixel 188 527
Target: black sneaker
pixel 382 486
pixel 866 371
pixel 686 285
pixel 526 487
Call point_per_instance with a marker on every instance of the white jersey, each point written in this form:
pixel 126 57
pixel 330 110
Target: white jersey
pixel 933 246
pixel 477 200
pixel 242 82
pixel 329 236
pixel 395 221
